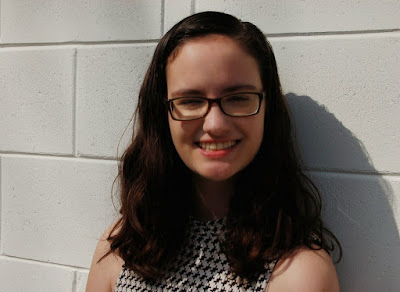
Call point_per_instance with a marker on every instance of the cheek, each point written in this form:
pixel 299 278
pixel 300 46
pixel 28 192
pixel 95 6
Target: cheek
pixel 182 134
pixel 258 136
pixel 174 129
pixel 261 122
pixel 258 131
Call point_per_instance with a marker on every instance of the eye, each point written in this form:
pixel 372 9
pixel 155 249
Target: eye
pixel 189 102
pixel 237 98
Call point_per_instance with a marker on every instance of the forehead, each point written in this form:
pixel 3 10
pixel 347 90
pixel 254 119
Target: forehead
pixel 211 63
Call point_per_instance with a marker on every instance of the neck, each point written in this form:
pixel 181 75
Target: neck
pixel 212 198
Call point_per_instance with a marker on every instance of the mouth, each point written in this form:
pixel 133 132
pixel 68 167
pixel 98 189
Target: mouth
pixel 210 146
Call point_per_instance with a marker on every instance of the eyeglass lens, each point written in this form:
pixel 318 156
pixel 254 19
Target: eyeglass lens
pixel 243 104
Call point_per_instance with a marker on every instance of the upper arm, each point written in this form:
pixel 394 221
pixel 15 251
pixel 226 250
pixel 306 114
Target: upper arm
pixel 104 274
pixel 306 270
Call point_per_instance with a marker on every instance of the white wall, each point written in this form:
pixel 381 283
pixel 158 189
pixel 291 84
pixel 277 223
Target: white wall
pixel 69 76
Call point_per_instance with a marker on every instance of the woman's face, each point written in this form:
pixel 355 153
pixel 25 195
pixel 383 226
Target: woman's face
pixel 214 66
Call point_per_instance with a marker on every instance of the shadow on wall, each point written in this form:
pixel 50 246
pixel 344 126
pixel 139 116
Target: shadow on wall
pixel 357 203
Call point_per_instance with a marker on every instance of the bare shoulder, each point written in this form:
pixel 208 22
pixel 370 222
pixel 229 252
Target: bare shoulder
pixel 306 270
pixel 103 275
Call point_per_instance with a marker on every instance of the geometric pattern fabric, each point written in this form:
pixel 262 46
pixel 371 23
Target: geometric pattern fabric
pixel 200 266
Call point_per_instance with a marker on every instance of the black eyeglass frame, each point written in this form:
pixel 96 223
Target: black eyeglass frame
pixel 210 101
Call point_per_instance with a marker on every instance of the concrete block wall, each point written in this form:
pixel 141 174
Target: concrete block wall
pixel 70 72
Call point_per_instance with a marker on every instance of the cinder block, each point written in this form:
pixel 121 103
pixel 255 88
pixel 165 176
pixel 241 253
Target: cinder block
pixel 23 275
pixel 36 97
pixel 175 11
pixel 37 21
pixel 55 210
pixel 81 280
pixel 344 93
pixel 363 211
pixel 108 83
pixel 1 207
pixel 310 15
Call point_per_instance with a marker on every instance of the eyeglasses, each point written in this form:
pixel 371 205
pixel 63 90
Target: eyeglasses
pixel 241 104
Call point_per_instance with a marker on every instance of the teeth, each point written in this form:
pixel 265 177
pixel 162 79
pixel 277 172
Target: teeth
pixel 217 146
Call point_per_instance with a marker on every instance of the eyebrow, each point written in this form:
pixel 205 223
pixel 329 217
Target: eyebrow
pixel 227 90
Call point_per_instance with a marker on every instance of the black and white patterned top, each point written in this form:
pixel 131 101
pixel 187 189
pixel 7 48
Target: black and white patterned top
pixel 201 266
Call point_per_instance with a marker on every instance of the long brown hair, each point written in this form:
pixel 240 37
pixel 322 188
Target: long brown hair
pixel 275 209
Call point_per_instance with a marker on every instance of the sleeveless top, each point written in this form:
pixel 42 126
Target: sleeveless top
pixel 200 266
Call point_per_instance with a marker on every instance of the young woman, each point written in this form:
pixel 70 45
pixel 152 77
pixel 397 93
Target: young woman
pixel 213 195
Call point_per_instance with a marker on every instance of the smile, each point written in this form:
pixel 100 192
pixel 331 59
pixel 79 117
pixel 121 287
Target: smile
pixel 217 146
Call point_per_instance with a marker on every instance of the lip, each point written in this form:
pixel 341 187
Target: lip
pixel 217 153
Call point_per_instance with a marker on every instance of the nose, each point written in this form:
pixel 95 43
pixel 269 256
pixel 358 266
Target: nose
pixel 216 123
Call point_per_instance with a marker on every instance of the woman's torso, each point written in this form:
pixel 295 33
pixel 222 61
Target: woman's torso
pixel 200 266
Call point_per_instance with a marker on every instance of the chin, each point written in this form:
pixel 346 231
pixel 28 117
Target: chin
pixel 216 176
